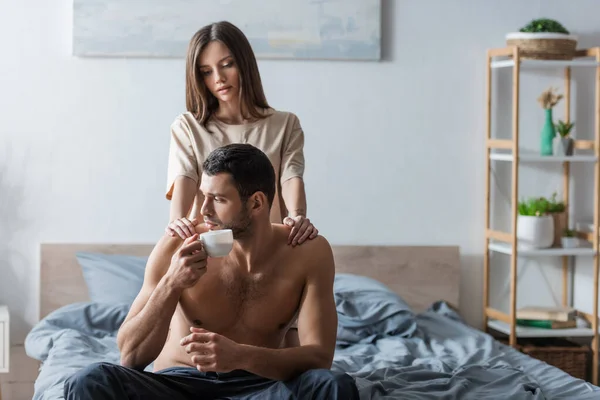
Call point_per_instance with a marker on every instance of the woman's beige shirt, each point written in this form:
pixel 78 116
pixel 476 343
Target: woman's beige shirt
pixel 279 136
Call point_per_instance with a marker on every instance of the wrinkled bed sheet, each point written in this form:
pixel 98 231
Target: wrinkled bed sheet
pixel 446 359
pixel 443 359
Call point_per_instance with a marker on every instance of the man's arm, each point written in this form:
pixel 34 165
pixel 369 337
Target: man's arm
pixel 144 331
pixel 142 335
pixel 317 325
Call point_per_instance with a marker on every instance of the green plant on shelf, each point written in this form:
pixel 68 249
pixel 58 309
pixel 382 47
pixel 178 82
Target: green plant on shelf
pixel 534 207
pixel 539 206
pixel 569 233
pixel 544 25
pixel 564 128
pixel 554 205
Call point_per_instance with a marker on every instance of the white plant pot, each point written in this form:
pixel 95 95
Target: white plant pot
pixel 535 232
pixel 563 146
pixel 540 35
pixel 569 242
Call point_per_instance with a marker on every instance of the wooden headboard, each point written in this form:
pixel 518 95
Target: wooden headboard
pixel 420 274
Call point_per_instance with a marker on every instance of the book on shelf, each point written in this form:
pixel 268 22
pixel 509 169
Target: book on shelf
pixel 562 314
pixel 547 324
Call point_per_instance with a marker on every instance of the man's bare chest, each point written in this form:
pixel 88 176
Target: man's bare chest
pixel 227 301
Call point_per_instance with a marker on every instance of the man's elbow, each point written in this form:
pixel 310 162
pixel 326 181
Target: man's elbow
pixel 323 359
pixel 127 361
pixel 131 360
pixel 129 357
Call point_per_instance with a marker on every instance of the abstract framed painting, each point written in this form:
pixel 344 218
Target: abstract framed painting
pixel 276 29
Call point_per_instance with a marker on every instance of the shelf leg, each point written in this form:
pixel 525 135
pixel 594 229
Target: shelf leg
pixel 566 190
pixel 596 220
pixel 514 197
pixel 486 252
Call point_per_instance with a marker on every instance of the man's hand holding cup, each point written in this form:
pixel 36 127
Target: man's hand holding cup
pixel 188 263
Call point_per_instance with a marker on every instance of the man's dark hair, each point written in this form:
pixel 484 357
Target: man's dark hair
pixel 250 169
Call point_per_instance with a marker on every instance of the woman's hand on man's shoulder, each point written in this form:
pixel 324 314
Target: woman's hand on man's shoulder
pixel 302 229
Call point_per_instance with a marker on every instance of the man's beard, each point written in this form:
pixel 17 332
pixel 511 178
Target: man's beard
pixel 241 226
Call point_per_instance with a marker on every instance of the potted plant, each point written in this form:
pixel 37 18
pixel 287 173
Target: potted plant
pixel 544 39
pixel 558 212
pixel 569 240
pixel 563 143
pixel 535 226
pixel 548 99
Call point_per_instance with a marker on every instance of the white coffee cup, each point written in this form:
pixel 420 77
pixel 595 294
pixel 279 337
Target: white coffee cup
pixel 217 243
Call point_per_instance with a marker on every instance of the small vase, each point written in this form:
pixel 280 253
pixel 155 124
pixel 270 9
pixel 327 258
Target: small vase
pixel 563 146
pixel 548 134
pixel 569 242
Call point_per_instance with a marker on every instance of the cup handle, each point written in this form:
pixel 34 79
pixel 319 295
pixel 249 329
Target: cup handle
pixel 203 245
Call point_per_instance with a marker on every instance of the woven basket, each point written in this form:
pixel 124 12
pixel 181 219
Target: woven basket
pixel 543 46
pixel 570 357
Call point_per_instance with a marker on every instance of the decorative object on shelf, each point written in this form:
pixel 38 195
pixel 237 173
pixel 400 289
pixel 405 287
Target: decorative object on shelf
pixel 535 226
pixel 544 39
pixel 554 313
pixel 569 240
pixel 547 324
pixel 548 99
pixel 558 211
pixel 563 142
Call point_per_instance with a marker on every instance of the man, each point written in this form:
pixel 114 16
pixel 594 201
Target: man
pixel 214 327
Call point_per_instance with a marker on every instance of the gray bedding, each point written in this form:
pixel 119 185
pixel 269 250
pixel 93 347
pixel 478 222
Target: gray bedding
pixel 446 359
pixel 390 351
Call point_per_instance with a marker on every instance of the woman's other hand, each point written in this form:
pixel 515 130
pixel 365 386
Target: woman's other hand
pixel 302 229
pixel 183 227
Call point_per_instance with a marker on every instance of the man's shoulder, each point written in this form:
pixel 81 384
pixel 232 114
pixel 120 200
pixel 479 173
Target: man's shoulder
pixel 163 250
pixel 316 259
pixel 319 246
pixel 310 252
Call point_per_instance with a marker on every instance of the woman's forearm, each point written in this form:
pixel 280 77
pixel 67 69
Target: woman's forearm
pixel 294 196
pixel 184 191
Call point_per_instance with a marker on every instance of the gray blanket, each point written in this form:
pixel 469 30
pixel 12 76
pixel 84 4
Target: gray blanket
pixel 444 359
pixel 391 352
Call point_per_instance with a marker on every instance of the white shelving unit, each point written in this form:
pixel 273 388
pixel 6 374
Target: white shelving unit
pixel 524 63
pixel 535 158
pixel 504 150
pixel 528 332
pixel 505 248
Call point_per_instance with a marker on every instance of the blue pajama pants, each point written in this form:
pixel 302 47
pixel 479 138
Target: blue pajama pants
pixel 103 381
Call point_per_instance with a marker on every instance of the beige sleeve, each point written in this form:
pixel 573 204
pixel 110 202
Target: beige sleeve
pixel 292 160
pixel 182 158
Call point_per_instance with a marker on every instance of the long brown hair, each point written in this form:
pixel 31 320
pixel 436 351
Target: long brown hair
pixel 198 99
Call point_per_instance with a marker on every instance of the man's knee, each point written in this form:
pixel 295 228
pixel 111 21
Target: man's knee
pixel 331 384
pixel 88 379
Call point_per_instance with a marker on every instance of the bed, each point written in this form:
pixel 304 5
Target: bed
pixel 399 334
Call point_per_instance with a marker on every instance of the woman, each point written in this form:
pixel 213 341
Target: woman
pixel 226 104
